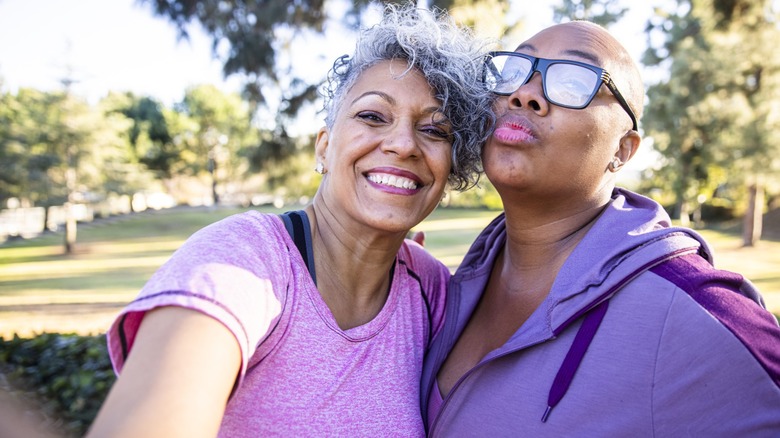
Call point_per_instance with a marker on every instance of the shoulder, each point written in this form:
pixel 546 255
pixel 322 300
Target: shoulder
pixel 727 296
pixel 244 234
pixel 431 273
pixel 726 302
pixel 250 224
pixel 417 258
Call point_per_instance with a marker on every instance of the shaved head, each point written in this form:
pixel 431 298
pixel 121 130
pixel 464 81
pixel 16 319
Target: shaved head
pixel 597 45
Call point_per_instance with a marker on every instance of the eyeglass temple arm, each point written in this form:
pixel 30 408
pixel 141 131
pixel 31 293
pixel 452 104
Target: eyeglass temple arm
pixel 621 100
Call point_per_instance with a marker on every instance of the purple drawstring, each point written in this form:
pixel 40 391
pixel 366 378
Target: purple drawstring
pixel 574 357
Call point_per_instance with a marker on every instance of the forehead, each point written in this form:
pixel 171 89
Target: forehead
pixel 394 81
pixel 574 41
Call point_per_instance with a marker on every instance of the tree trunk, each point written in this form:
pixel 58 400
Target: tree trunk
pixel 684 210
pixel 751 229
pixel 70 229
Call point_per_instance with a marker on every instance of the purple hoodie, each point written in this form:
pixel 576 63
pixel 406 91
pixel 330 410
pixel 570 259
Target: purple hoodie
pixel 639 336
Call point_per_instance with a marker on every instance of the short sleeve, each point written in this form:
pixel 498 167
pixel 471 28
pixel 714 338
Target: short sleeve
pixel 236 270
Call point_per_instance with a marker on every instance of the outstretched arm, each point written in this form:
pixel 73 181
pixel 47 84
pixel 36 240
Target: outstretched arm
pixel 176 381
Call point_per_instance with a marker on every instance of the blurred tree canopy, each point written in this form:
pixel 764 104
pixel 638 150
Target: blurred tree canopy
pixel 603 12
pixel 47 135
pixel 248 36
pixel 716 119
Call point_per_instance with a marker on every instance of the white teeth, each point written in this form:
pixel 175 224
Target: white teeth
pixel 393 181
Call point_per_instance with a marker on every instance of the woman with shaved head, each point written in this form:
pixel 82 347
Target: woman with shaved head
pixel 580 311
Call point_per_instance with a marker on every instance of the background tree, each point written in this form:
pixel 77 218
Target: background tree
pixel 222 133
pixel 57 148
pixel 12 156
pixel 714 120
pixel 116 166
pixel 148 133
pixel 34 141
pixel 603 12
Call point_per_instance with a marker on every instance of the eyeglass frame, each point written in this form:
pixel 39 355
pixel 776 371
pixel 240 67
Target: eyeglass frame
pixel 542 64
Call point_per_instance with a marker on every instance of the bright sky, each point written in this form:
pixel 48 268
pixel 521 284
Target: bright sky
pixel 104 45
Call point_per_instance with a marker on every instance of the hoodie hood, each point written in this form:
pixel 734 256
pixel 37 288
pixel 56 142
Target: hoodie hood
pixel 632 234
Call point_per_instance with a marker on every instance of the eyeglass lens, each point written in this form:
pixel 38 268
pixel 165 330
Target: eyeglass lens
pixel 568 85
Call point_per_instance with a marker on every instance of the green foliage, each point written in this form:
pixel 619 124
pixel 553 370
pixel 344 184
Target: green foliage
pixel 488 18
pixel 55 146
pixel 484 195
pixel 248 36
pixel 148 133
pixel 220 136
pixel 289 174
pixel 33 156
pixel 603 12
pixel 70 375
pixel 715 120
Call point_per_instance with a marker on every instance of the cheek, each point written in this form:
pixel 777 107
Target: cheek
pixel 439 160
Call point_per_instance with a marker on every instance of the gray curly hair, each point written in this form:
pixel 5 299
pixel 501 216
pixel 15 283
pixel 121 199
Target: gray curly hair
pixel 448 56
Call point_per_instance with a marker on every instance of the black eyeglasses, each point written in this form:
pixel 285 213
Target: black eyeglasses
pixel 569 84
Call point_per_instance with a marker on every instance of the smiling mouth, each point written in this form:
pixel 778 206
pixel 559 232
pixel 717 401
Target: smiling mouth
pixel 392 181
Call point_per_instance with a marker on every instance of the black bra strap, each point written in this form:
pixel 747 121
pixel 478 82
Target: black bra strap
pixel 297 224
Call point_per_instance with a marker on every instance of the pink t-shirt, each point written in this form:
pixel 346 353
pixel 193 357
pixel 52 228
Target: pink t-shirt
pixel 301 374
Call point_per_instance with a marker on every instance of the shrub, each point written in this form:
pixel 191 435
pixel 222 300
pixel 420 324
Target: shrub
pixel 69 375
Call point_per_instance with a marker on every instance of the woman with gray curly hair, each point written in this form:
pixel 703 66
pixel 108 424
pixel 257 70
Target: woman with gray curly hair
pixel 315 322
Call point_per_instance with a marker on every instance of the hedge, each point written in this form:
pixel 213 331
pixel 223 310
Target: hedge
pixel 65 376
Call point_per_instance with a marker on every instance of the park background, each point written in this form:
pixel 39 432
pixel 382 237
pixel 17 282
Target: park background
pixel 125 126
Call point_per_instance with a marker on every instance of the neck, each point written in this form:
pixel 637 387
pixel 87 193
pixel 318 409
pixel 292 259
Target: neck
pixel 538 242
pixel 353 265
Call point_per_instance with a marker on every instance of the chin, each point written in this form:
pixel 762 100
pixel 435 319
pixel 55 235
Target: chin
pixel 392 221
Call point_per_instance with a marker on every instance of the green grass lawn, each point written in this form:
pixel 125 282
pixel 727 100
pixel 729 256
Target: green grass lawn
pixel 114 258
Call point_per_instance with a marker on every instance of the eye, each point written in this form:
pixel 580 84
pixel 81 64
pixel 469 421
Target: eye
pixel 437 129
pixel 571 92
pixel 370 116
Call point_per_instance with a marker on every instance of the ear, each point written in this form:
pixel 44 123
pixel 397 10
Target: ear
pixel 629 144
pixel 321 144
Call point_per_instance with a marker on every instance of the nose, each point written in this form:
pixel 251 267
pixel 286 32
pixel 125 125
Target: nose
pixel 402 141
pixel 530 95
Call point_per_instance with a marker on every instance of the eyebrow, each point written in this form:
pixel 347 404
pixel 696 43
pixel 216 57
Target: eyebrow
pixel 381 94
pixel 573 52
pixel 586 55
pixel 392 101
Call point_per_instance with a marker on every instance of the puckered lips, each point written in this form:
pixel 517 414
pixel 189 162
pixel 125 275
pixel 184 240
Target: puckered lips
pixel 514 130
pixel 394 180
